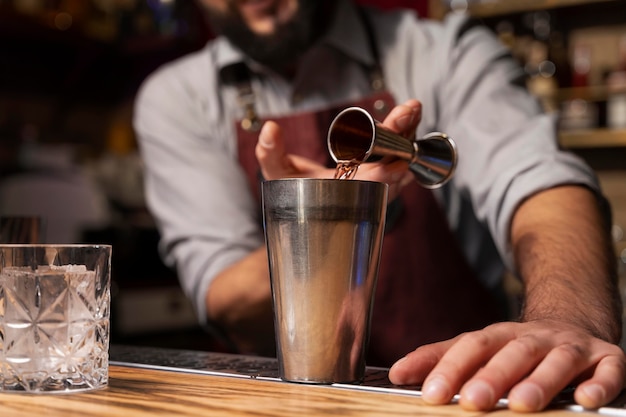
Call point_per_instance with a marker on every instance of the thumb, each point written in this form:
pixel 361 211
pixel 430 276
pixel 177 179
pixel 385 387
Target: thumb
pixel 270 152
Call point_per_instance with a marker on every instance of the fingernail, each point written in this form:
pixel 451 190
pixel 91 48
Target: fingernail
pixel 479 394
pixel 436 391
pixel 405 121
pixel 394 368
pixel 266 140
pixel 526 397
pixel 595 393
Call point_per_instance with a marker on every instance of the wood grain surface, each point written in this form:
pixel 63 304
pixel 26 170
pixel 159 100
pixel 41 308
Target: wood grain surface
pixel 135 392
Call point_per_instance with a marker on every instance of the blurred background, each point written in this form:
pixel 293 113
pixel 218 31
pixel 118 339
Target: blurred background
pixel 69 71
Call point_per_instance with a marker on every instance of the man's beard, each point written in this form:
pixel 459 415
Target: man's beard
pixel 289 40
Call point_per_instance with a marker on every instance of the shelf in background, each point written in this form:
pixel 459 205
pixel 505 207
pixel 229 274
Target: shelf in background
pixel 593 138
pixel 492 8
pixel 592 93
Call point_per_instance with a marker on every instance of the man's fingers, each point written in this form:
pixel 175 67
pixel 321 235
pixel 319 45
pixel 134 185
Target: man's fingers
pixel 415 366
pixel 561 365
pixel 529 363
pixel 404 118
pixel 270 152
pixel 305 167
pixel 603 386
pixel 396 174
pixel 470 353
pixel 506 368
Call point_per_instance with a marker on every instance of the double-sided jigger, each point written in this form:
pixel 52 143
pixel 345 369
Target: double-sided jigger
pixel 355 136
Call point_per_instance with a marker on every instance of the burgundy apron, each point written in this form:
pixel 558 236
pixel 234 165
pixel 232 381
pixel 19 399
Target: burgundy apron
pixel 426 290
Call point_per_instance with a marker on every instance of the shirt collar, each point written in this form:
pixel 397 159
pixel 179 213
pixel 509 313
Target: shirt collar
pixel 346 34
pixel 226 54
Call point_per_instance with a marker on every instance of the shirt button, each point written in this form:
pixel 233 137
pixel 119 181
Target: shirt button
pixel 380 106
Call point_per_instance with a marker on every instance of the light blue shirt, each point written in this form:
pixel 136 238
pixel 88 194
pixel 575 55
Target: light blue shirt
pixel 469 87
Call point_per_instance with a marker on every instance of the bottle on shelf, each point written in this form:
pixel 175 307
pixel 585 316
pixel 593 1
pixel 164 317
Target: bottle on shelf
pixel 578 112
pixel 616 88
pixel 581 65
pixel 557 53
pixel 541 70
pixel 538 64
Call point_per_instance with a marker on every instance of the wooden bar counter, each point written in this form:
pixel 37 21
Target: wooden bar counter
pixel 144 390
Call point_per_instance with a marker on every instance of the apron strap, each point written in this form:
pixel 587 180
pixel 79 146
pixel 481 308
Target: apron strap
pixel 377 79
pixel 239 75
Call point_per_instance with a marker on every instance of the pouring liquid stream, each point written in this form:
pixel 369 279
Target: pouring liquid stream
pixel 346 170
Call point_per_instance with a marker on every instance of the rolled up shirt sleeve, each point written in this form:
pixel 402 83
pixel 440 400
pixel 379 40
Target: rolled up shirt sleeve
pixel 195 188
pixel 508 146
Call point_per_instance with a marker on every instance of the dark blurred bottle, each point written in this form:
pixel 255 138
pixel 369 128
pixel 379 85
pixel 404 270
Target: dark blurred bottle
pixel 540 66
pixel 581 65
pixel 616 87
pixel 557 53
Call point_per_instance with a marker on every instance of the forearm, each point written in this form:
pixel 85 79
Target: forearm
pixel 239 300
pixel 564 255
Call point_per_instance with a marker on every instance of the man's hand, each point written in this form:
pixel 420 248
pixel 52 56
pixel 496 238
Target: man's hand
pixel 276 163
pixel 569 325
pixel 532 361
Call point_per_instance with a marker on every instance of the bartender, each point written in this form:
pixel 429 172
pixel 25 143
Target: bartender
pixel 256 104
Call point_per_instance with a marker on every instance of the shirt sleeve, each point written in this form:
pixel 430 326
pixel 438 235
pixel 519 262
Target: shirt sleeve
pixel 508 146
pixel 195 188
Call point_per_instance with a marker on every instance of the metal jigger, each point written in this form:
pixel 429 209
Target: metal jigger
pixel 355 137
